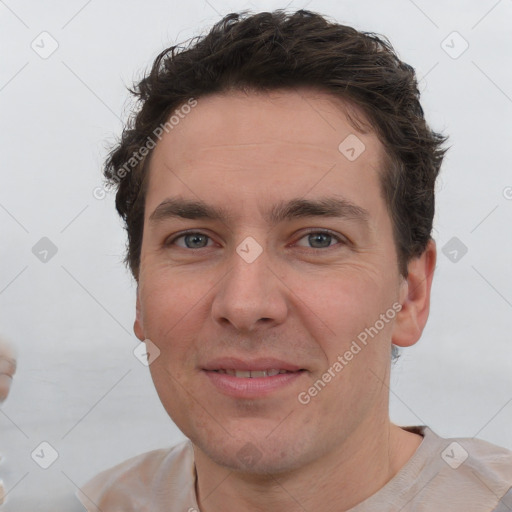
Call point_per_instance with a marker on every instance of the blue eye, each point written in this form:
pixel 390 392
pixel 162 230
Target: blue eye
pixel 320 239
pixel 192 240
pixel 314 240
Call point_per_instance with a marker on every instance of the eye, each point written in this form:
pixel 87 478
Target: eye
pixel 314 239
pixel 321 239
pixel 191 240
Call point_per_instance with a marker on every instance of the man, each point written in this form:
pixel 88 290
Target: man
pixel 277 186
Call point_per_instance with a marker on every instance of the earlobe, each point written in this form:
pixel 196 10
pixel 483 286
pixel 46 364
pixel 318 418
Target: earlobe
pixel 415 296
pixel 138 328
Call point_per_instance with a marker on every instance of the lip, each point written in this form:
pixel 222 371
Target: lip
pixel 253 387
pixel 233 363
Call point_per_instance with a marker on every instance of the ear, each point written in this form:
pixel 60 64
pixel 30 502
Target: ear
pixel 138 328
pixel 415 298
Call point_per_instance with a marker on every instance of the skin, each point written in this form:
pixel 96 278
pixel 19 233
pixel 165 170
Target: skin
pixel 299 301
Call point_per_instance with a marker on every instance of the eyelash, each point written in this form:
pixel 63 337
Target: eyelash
pixel 338 238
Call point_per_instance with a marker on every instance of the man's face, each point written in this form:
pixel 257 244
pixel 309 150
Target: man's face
pixel 261 290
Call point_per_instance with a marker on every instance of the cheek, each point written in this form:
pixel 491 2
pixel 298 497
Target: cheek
pixel 356 338
pixel 345 302
pixel 173 310
pixel 167 298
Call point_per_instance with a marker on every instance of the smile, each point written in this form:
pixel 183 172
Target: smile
pixel 252 384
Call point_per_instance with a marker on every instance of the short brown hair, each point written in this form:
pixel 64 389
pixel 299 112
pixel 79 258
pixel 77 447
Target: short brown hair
pixel 276 50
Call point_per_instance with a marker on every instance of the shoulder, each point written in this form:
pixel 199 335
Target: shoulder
pixel 489 465
pixel 459 474
pixel 143 483
pixel 475 471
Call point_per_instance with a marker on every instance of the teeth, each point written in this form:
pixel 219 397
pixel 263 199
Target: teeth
pixel 245 374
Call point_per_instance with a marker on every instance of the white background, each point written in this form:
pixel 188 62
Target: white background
pixel 78 385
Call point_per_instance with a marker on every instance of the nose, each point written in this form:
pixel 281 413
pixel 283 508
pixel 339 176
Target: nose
pixel 250 296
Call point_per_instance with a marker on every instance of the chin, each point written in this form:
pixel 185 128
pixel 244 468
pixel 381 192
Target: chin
pixel 255 455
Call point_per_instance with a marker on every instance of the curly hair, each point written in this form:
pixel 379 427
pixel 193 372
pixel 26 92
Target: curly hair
pixel 275 50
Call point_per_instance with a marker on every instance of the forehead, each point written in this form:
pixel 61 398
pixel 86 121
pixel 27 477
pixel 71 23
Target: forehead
pixel 279 143
pixel 300 116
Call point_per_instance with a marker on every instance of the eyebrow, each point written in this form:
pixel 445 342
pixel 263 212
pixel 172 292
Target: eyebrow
pixel 284 210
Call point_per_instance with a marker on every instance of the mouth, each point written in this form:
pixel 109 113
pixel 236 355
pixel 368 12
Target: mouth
pixel 258 378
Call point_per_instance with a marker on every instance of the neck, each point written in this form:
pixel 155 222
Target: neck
pixel 355 470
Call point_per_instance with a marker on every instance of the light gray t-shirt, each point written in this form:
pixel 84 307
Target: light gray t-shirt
pixel 459 475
